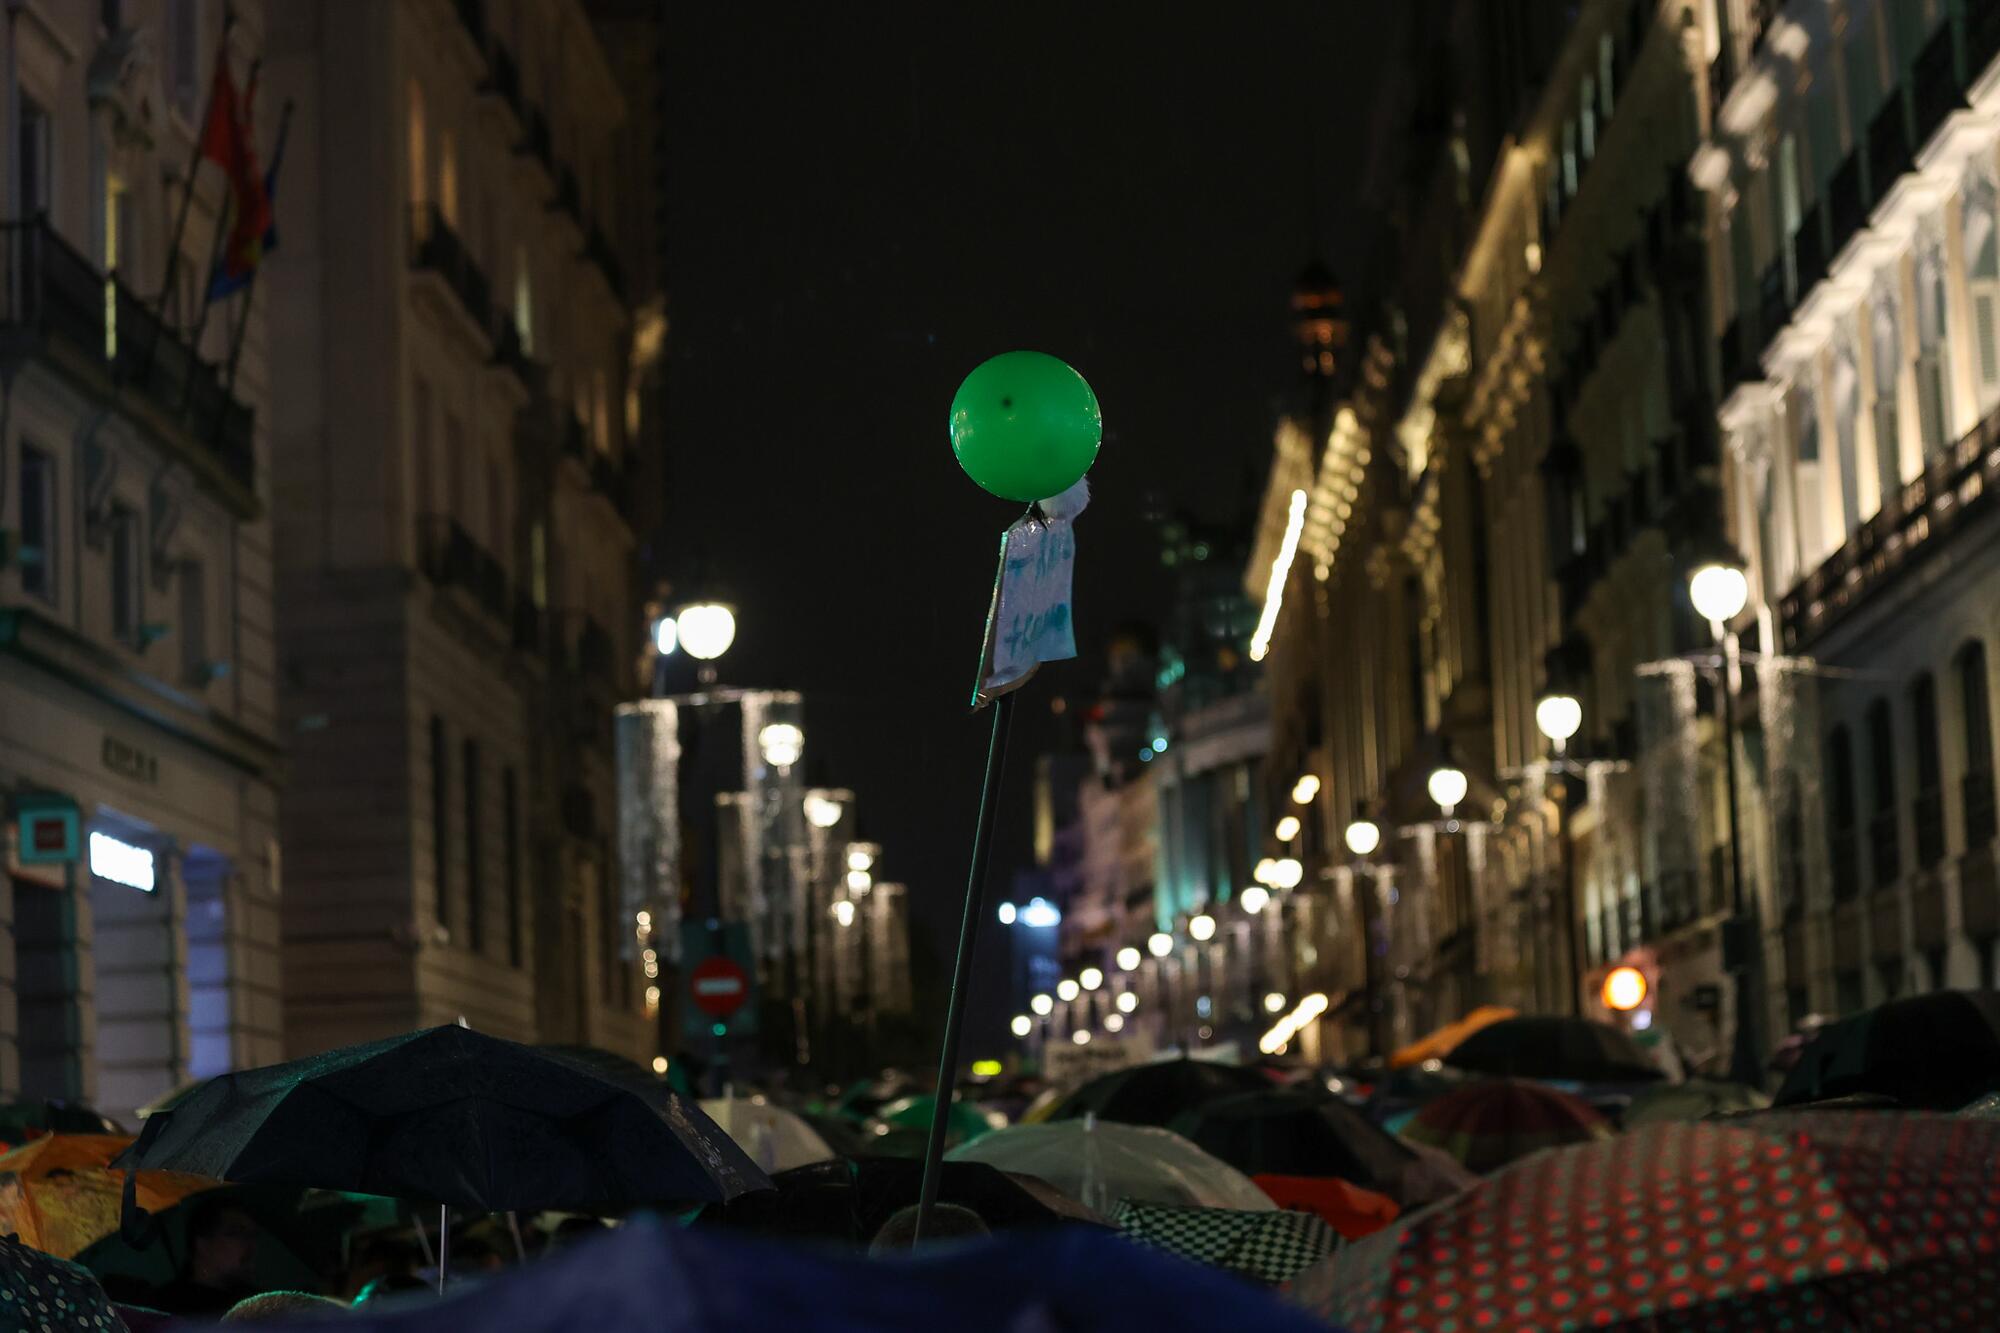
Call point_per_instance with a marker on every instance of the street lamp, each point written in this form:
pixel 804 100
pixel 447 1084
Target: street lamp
pixel 1305 789
pixel 1286 873
pixel 1022 1025
pixel 666 636
pixel 861 855
pixel 1042 1005
pixel 1127 1001
pixel 1559 716
pixel 843 912
pixel 1363 837
pixel 1081 1036
pixel 781 744
pixel 822 811
pixel 1255 897
pixel 1274 1003
pixel 1624 989
pixel 1719 590
pixel 1160 944
pixel 1287 829
pixel 1447 787
pixel 1201 928
pixel 1067 989
pixel 859 882
pixel 1007 914
pixel 1128 958
pixel 1091 978
pixel 1114 1022
pixel 707 629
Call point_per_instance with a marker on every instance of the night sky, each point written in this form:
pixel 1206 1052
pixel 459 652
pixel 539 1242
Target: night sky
pixel 861 208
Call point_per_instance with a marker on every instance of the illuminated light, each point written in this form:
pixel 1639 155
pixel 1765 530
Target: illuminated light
pixel 1363 836
pixel 1041 914
pixel 650 956
pixel 659 1064
pixel 1159 745
pixel 985 1068
pixel 1286 1028
pixel 1305 788
pixel 666 636
pixel 1160 944
pixel 1288 828
pixel 1128 958
pixel 122 863
pixel 707 629
pixel 1642 1020
pixel 1274 1002
pixel 822 811
pixel 1022 1025
pixel 861 856
pixel 1067 989
pixel 1202 928
pixel 1447 786
pixel 843 912
pixel 652 968
pixel 1263 870
pixel 1718 592
pixel 1042 1005
pixel 1127 1001
pixel 859 882
pixel 1146 755
pixel 1286 873
pixel 1281 569
pixel 652 997
pixel 1624 989
pixel 1114 1022
pixel 1081 1036
pixel 1203 1006
pixel 719 1029
pixel 1255 898
pixel 1007 914
pixel 781 744
pixel 1091 978
pixel 1558 716
pixel 1532 254
pixel 645 920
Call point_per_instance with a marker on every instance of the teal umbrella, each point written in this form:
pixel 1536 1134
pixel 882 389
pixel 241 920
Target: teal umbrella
pixel 963 1124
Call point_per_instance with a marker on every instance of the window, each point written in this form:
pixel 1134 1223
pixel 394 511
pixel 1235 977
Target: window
pixel 423 464
pixel 1977 727
pixel 1982 266
pixel 447 200
pixel 194 623
pixel 34 158
pixel 600 411
pixel 39 528
pixel 1842 813
pixel 419 150
pixel 183 29
pixel 1569 159
pixel 524 302
pixel 1885 341
pixel 1790 212
pixel 1933 344
pixel 127 577
pixel 117 240
pixel 475 896
pixel 440 822
pixel 1846 415
pixel 1928 808
pixel 1586 116
pixel 1607 59
pixel 538 571
pixel 1884 856
pixel 510 814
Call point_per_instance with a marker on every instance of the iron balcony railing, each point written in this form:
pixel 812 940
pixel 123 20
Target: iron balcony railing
pixel 453 558
pixel 435 246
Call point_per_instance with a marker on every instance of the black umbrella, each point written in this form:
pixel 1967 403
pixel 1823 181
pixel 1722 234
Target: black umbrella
pixel 1572 1049
pixel 1933 1052
pixel 453 1117
pixel 1305 1133
pixel 1154 1094
pixel 849 1201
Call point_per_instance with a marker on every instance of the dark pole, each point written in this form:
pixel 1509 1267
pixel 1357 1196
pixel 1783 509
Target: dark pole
pixel 1744 1065
pixel 1371 974
pixel 961 979
pixel 1567 855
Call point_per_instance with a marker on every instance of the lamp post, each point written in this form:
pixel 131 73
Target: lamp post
pixel 1559 716
pixel 1363 836
pixel 1719 590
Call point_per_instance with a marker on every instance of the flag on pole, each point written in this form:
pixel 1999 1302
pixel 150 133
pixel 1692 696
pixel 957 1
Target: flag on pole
pixel 233 270
pixel 226 140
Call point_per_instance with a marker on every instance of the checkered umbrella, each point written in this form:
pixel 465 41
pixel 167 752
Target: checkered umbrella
pixel 1488 1124
pixel 1847 1221
pixel 1264 1247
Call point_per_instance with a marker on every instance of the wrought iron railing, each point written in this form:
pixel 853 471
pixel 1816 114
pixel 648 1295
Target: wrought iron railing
pixel 453 558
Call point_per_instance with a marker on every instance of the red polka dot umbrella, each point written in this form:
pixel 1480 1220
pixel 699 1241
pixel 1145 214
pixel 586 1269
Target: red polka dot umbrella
pixel 1850 1220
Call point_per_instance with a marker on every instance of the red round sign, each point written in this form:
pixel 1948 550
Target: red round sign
pixel 718 986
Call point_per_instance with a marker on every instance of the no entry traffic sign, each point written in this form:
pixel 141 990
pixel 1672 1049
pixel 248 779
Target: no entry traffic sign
pixel 718 986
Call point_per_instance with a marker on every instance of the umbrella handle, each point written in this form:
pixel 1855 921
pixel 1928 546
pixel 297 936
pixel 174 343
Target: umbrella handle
pixel 444 1243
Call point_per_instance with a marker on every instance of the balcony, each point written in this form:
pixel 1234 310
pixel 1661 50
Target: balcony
pixel 598 251
pixel 435 248
pixel 1809 252
pixel 1928 813
pixel 1845 211
pixel 1885 855
pixel 503 79
pixel 1982 820
pixel 509 355
pixel 453 558
pixel 1889 150
pixel 55 305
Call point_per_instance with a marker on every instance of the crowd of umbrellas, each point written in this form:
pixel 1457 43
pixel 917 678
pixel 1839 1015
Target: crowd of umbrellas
pixel 1506 1172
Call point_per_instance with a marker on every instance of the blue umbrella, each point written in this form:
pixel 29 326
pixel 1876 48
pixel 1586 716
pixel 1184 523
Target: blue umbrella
pixel 645 1276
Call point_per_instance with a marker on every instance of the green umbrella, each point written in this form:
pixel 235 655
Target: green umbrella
pixel 963 1124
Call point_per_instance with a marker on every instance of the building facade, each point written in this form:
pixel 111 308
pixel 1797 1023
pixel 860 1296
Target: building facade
pixel 139 752
pixel 455 578
pixel 1852 167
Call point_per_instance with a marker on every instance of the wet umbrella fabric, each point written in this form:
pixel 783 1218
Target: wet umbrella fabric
pixel 1264 1247
pixel 1488 1124
pixel 644 1277
pixel 452 1116
pixel 1932 1052
pixel 1303 1133
pixel 1442 1042
pixel 1853 1220
pixel 58 1193
pixel 40 1293
pixel 1570 1049
pixel 964 1122
pixel 848 1201
pixel 775 1139
pixel 1101 1162
pixel 1154 1094
pixel 1693 1100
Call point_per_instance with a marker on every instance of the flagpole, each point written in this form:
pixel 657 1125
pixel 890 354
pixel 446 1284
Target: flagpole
pixel 187 200
pixel 222 224
pixel 250 286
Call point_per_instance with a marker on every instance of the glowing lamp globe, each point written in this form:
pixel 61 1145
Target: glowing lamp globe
pixel 822 811
pixel 781 744
pixel 1558 716
pixel 1025 426
pixel 707 629
pixel 1286 873
pixel 1274 1003
pixel 1447 786
pixel 1081 1036
pixel 1718 592
pixel 1042 1005
pixel 1201 928
pixel 1067 989
pixel 1128 958
pixel 1624 989
pixel 1160 944
pixel 1255 898
pixel 1022 1025
pixel 1091 978
pixel 1363 836
pixel 1287 829
pixel 666 636
pixel 1127 1001
pixel 1114 1022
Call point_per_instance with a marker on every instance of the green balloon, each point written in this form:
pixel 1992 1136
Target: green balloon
pixel 1025 426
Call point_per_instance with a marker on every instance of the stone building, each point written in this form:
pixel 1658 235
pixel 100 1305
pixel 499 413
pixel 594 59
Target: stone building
pixel 139 755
